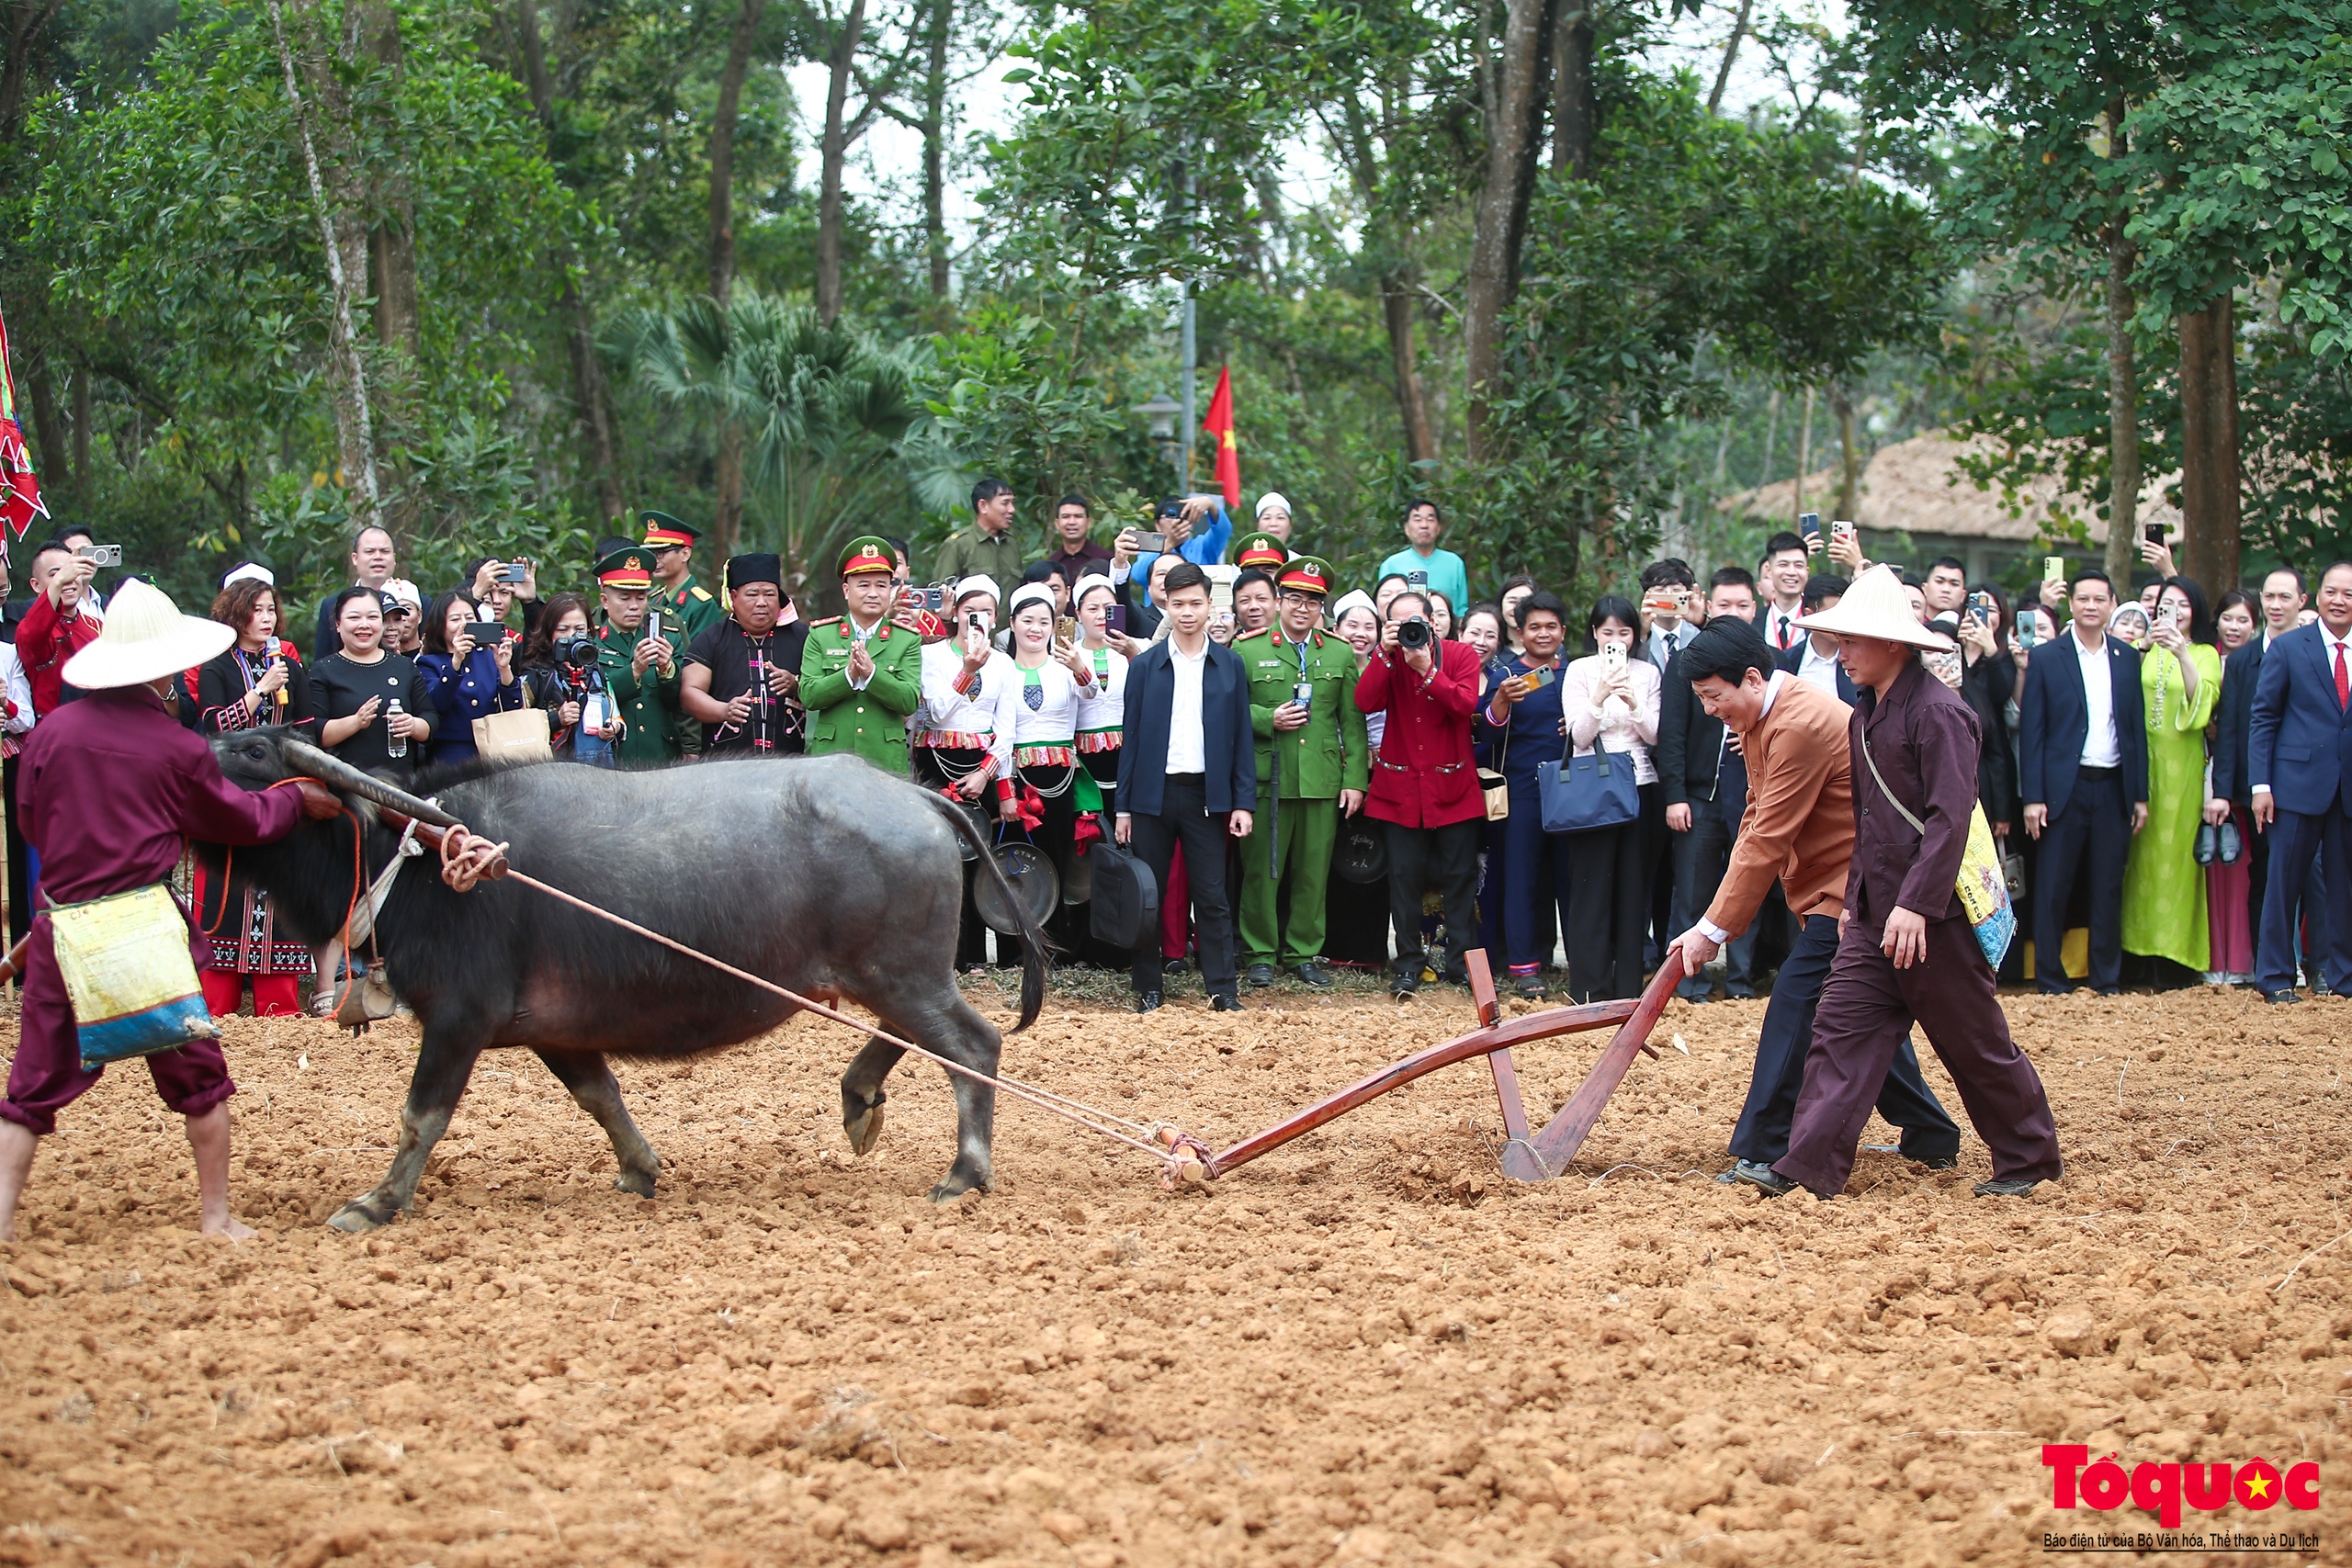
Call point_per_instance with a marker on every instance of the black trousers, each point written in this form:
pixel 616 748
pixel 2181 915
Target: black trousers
pixel 20 906
pixel 1185 818
pixel 1700 857
pixel 1446 859
pixel 1929 1134
pixel 2091 839
pixel 1606 898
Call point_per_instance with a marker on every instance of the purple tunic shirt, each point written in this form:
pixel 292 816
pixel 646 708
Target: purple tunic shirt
pixel 109 786
pixel 1924 739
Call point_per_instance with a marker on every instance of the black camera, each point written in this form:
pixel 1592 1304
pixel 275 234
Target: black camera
pixel 580 653
pixel 1415 634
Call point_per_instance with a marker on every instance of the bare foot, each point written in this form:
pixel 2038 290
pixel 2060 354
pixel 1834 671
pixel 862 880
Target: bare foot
pixel 229 1228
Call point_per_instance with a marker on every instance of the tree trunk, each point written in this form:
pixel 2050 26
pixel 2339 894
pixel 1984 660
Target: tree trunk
pixel 81 428
pixel 2122 410
pixel 1515 105
pixel 1731 52
pixel 27 19
pixel 345 240
pixel 580 321
pixel 1412 408
pixel 49 423
pixel 1772 438
pixel 1575 108
pixel 722 150
pixel 934 146
pixel 835 151
pixel 1849 453
pixel 2209 442
pixel 1804 454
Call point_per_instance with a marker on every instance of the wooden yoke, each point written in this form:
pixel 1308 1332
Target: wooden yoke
pixel 1526 1157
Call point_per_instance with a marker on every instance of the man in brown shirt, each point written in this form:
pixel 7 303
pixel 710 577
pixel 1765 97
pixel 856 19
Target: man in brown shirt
pixel 1799 829
pixel 1906 953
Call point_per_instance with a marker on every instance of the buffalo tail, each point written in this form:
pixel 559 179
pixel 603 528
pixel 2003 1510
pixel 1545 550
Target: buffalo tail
pixel 1033 939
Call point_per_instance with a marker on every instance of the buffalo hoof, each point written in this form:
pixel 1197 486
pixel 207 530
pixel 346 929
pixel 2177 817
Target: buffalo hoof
pixel 864 1126
pixel 639 1182
pixel 362 1215
pixel 956 1184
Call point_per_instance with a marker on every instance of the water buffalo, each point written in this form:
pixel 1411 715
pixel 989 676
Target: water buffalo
pixel 824 874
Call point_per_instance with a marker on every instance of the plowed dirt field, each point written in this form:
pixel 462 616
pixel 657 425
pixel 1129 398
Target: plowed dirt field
pixel 1368 1348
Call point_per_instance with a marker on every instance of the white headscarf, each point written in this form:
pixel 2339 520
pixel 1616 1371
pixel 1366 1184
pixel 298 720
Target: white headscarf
pixel 1272 500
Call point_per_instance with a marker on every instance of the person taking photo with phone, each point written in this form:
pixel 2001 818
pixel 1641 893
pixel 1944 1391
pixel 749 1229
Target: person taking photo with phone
pixel 58 624
pixel 1610 702
pixel 469 669
pixel 1522 725
pixel 639 704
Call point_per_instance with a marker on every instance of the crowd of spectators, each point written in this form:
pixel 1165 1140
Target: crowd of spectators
pixel 1385 777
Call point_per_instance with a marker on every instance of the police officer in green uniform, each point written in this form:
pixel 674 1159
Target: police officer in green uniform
pixel 860 675
pixel 1314 764
pixel 641 672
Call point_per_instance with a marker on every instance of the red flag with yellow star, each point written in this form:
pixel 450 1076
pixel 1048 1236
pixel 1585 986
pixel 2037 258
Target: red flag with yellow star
pixel 1219 424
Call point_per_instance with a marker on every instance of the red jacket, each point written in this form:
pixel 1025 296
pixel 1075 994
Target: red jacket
pixel 44 644
pixel 1423 776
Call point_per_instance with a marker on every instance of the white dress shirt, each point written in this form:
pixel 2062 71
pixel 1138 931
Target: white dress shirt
pixel 1779 628
pixel 2102 747
pixel 1818 668
pixel 1187 744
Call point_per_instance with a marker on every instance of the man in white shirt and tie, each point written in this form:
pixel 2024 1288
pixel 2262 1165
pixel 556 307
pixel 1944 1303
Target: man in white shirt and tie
pixel 1815 660
pixel 1665 589
pixel 1780 582
pixel 2083 773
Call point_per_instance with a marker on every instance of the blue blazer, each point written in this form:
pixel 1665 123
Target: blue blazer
pixel 2297 741
pixel 2233 719
pixel 2053 722
pixel 1228 744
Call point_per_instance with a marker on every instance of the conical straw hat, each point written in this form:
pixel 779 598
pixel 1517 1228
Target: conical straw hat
pixel 145 639
pixel 1877 605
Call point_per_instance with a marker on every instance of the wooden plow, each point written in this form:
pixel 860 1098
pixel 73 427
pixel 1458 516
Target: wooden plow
pixel 1537 1155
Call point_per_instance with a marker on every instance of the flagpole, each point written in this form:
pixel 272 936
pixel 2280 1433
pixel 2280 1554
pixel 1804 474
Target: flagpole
pixel 1191 346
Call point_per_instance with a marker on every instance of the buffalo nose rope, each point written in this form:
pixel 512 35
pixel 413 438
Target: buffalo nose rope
pixel 468 859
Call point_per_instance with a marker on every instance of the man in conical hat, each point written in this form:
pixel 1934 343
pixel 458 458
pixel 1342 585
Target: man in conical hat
pixel 1907 956
pixel 108 788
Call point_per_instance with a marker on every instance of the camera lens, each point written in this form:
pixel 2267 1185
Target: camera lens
pixel 1413 634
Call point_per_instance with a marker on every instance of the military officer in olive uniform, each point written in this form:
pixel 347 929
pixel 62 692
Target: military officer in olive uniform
pixel 684 602
pixel 641 672
pixel 860 675
pixel 687 609
pixel 1314 764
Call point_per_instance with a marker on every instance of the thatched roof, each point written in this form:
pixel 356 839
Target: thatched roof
pixel 1917 487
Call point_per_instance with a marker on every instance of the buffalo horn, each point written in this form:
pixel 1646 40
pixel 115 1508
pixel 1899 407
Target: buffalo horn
pixel 333 772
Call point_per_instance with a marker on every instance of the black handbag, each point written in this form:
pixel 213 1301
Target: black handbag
pixel 1124 909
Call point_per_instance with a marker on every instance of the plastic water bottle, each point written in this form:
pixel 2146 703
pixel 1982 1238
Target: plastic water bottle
pixel 396 739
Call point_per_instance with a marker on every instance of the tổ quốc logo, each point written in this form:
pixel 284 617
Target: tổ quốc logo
pixel 2169 1490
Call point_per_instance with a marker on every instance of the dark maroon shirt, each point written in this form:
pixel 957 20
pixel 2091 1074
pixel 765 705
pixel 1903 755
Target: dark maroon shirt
pixel 109 785
pixel 1925 740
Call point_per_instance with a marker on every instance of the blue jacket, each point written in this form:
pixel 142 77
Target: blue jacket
pixel 1204 547
pixel 462 694
pixel 2233 719
pixel 2053 722
pixel 1227 743
pixel 2299 742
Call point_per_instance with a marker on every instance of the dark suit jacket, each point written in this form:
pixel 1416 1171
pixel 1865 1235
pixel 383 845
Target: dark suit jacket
pixel 2298 743
pixel 1690 743
pixel 2053 723
pixel 2233 713
pixel 1228 744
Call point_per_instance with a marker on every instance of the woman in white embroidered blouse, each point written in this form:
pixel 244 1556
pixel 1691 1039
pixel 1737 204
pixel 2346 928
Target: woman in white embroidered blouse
pixel 1051 677
pixel 1101 707
pixel 1610 699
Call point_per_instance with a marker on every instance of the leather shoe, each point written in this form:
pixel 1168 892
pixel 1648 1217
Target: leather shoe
pixel 2280 997
pixel 2007 1186
pixel 1404 983
pixel 1764 1178
pixel 1262 974
pixel 1942 1162
pixel 1223 1001
pixel 1312 974
pixel 1147 1002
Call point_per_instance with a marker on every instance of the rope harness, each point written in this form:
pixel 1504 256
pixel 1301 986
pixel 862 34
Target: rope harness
pixel 467 859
